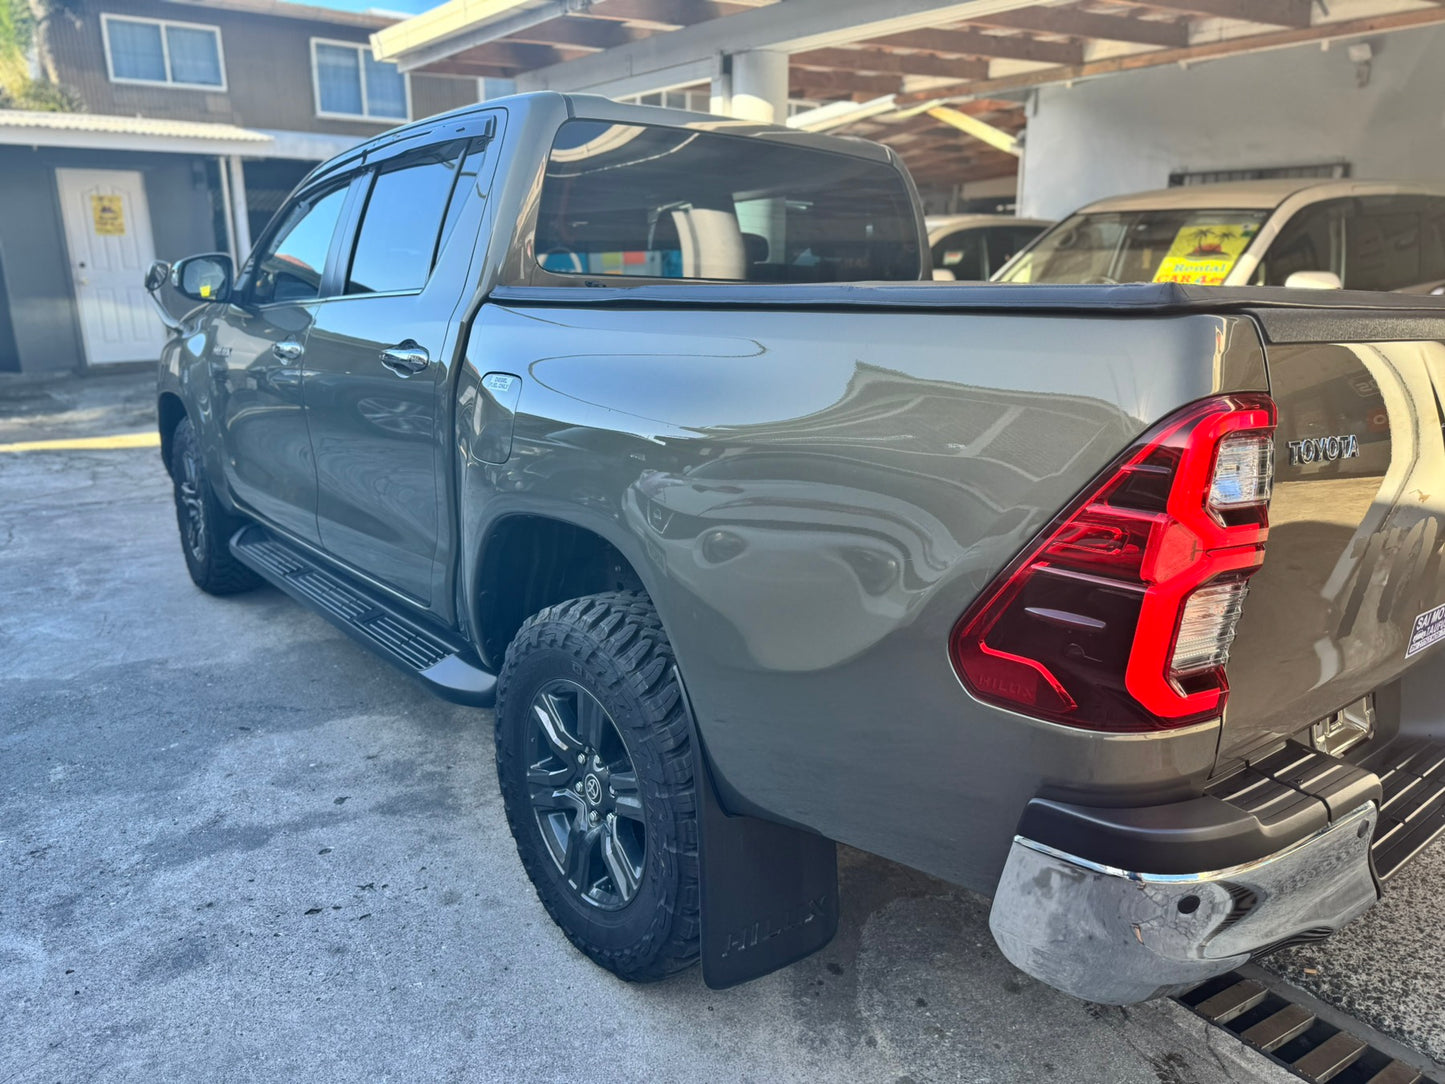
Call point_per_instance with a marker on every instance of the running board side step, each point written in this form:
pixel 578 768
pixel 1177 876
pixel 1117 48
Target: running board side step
pixel 444 665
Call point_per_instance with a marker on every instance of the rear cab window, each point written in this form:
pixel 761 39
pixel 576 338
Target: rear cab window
pixel 674 203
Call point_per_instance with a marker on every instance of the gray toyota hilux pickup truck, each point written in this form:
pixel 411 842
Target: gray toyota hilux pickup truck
pixel 1117 604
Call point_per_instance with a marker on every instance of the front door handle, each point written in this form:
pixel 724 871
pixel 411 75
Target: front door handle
pixel 288 351
pixel 406 358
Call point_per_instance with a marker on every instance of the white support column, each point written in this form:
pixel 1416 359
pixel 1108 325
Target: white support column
pixel 240 219
pixel 760 86
pixel 720 100
pixel 230 219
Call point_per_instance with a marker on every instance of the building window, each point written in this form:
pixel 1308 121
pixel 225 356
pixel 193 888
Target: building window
pixel 1324 171
pixel 698 101
pixel 350 82
pixel 158 52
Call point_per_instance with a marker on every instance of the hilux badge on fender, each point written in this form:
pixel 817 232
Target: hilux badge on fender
pixel 1324 449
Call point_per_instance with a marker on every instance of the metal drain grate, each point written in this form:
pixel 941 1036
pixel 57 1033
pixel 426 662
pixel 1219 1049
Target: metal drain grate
pixel 1304 1035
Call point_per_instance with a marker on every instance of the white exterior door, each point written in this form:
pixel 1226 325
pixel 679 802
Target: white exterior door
pixel 108 233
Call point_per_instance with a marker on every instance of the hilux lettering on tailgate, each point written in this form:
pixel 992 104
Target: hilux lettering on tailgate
pixel 1324 449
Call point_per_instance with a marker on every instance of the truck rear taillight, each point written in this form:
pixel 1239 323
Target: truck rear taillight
pixel 1120 615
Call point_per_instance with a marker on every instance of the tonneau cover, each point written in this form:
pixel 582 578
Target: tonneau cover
pixel 1284 315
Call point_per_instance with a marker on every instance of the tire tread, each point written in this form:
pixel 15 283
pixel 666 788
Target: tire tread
pixel 619 639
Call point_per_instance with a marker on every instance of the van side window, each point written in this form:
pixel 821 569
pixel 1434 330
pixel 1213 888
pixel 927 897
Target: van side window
pixel 962 252
pixel 1393 242
pixel 396 243
pixel 290 267
pixel 1310 241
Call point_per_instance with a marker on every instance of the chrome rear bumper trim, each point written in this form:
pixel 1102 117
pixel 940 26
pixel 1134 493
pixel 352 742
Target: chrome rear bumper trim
pixel 1115 936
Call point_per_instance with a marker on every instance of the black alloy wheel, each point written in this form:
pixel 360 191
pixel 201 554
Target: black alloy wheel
pixel 190 504
pixel 204 524
pixel 595 762
pixel 585 796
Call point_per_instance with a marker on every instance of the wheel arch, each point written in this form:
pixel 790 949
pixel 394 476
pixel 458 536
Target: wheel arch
pixel 527 561
pixel 170 412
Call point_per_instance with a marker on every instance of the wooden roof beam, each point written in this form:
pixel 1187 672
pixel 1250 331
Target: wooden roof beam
pixel 975 43
pixel 578 33
pixel 882 61
pixel 1082 24
pixel 805 83
pixel 1294 13
pixel 1239 46
pixel 663 13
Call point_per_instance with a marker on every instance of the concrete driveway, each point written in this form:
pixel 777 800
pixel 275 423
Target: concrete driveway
pixel 236 846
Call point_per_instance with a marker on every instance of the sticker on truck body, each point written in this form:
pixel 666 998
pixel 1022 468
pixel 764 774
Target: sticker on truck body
pixel 1429 629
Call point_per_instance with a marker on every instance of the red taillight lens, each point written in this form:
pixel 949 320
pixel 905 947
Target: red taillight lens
pixel 1120 615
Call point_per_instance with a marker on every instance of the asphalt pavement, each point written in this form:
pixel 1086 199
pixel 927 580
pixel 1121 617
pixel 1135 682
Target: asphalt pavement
pixel 234 845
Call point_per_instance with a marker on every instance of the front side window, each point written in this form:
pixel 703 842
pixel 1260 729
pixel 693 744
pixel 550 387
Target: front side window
pixel 289 268
pixel 962 253
pixel 350 82
pixel 163 53
pixel 1005 242
pixel 1312 240
pixel 398 238
pixel 1186 246
pixel 673 203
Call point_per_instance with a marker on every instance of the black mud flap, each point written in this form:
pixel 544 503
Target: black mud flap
pixel 769 893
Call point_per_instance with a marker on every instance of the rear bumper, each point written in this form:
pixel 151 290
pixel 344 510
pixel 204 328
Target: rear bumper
pixel 1111 935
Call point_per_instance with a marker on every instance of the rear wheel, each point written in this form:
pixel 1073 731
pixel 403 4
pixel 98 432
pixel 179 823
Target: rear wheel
pixel 594 757
pixel 205 526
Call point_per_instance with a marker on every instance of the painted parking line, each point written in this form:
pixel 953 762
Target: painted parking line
pixel 87 444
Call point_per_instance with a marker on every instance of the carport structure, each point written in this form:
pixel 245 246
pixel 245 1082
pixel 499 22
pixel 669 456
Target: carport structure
pixel 944 83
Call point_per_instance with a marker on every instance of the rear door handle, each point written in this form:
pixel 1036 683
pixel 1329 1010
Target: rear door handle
pixel 288 351
pixel 406 358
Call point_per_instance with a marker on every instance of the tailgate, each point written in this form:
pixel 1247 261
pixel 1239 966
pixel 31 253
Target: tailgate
pixel 1352 569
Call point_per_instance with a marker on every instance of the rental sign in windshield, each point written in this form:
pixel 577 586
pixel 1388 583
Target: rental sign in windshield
pixel 1204 255
pixel 1429 629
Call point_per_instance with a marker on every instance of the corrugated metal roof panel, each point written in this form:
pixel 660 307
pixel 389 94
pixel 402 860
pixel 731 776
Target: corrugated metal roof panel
pixel 136 126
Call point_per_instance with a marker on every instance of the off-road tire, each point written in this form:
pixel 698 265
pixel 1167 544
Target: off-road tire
pixel 205 526
pixel 613 646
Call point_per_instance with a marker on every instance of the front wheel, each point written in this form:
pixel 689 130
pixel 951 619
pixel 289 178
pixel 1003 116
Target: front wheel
pixel 204 525
pixel 594 757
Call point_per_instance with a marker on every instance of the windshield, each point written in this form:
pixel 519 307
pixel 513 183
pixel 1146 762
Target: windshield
pixel 1196 247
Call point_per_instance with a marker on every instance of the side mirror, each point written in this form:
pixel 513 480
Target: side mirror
pixel 203 278
pixel 1314 280
pixel 943 274
pixel 156 275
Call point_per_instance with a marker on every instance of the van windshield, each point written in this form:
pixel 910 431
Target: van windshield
pixel 1197 247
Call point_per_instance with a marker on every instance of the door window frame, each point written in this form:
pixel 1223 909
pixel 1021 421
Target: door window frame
pixel 245 281
pixel 367 186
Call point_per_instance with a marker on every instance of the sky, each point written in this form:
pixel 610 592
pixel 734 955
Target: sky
pixel 390 7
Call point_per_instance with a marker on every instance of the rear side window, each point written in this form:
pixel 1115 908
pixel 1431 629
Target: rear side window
pixel 397 240
pixel 1394 242
pixel 621 199
pixel 289 267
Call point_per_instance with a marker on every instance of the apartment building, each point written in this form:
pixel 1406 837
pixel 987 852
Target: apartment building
pixel 199 116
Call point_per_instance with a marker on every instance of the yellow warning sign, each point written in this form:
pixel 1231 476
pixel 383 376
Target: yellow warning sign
pixel 109 216
pixel 1204 255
